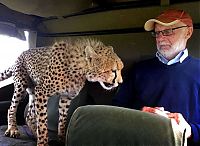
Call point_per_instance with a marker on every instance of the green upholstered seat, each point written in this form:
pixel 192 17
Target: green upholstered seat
pixel 99 125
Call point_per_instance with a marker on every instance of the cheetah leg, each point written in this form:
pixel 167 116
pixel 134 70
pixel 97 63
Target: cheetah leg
pixel 19 90
pixel 41 116
pixel 64 103
pixel 31 116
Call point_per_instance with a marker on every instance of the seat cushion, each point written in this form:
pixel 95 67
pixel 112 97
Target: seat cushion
pixel 99 125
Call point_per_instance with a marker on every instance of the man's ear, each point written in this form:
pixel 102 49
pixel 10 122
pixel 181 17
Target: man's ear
pixel 189 32
pixel 90 53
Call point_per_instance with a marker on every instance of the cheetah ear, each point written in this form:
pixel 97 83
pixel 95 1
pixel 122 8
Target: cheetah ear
pixel 90 53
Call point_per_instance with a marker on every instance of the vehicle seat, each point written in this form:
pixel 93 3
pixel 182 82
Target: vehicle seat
pixel 101 125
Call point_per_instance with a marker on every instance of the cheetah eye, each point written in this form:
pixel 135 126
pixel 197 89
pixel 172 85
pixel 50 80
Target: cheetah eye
pixel 114 71
pixel 108 71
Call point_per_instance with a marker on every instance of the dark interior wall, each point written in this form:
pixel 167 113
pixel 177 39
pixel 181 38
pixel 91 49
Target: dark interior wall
pixel 20 20
pixel 6 94
pixel 114 19
pixel 194 44
pixel 130 46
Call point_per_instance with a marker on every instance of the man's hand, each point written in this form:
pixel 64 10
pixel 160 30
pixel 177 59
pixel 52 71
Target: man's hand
pixel 181 122
pixel 155 110
pixel 177 117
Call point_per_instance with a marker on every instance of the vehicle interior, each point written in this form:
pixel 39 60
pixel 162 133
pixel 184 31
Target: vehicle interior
pixel 118 23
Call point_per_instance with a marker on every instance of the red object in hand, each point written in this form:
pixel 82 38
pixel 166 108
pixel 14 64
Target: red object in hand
pixel 156 110
pixel 174 116
pixel 148 109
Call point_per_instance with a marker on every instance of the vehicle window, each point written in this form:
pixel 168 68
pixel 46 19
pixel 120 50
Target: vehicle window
pixel 10 49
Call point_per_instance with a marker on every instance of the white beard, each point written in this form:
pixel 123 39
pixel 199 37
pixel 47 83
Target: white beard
pixel 172 51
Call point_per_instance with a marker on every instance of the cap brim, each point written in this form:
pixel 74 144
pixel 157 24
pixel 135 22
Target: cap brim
pixel 149 25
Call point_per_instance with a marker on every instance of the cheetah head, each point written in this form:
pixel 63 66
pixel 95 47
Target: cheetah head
pixel 104 66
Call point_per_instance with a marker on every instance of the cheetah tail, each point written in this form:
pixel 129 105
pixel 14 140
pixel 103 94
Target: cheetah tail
pixel 6 74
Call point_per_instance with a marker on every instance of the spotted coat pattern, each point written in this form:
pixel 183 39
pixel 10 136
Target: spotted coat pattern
pixel 59 69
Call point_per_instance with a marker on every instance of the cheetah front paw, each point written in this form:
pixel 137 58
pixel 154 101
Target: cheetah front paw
pixel 12 132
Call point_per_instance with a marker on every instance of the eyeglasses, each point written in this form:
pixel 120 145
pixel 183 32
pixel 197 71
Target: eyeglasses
pixel 166 32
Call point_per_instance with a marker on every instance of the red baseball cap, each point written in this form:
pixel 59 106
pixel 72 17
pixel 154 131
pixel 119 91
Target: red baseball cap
pixel 168 18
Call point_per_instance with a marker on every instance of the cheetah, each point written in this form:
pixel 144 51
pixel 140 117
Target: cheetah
pixel 60 69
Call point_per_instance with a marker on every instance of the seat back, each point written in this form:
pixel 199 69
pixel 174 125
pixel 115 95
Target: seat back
pixel 101 125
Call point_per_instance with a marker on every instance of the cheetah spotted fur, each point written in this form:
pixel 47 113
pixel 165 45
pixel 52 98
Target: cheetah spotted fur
pixel 59 69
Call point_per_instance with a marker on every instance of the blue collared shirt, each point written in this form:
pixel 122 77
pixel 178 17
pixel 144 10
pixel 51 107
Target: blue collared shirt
pixel 179 58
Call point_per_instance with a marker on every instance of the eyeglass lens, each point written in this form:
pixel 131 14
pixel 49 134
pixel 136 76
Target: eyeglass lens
pixel 166 32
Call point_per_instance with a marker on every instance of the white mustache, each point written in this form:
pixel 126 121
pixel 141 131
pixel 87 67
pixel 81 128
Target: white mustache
pixel 163 43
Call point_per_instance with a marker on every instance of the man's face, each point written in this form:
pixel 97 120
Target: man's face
pixel 169 46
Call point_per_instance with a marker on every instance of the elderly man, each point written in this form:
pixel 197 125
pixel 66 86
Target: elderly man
pixel 169 83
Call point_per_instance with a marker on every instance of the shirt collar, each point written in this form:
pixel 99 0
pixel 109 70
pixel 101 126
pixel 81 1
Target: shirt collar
pixel 179 58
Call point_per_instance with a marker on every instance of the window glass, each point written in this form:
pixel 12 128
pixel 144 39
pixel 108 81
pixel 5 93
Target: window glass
pixel 10 49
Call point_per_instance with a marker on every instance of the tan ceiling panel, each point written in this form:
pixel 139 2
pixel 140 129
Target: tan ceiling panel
pixel 47 8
